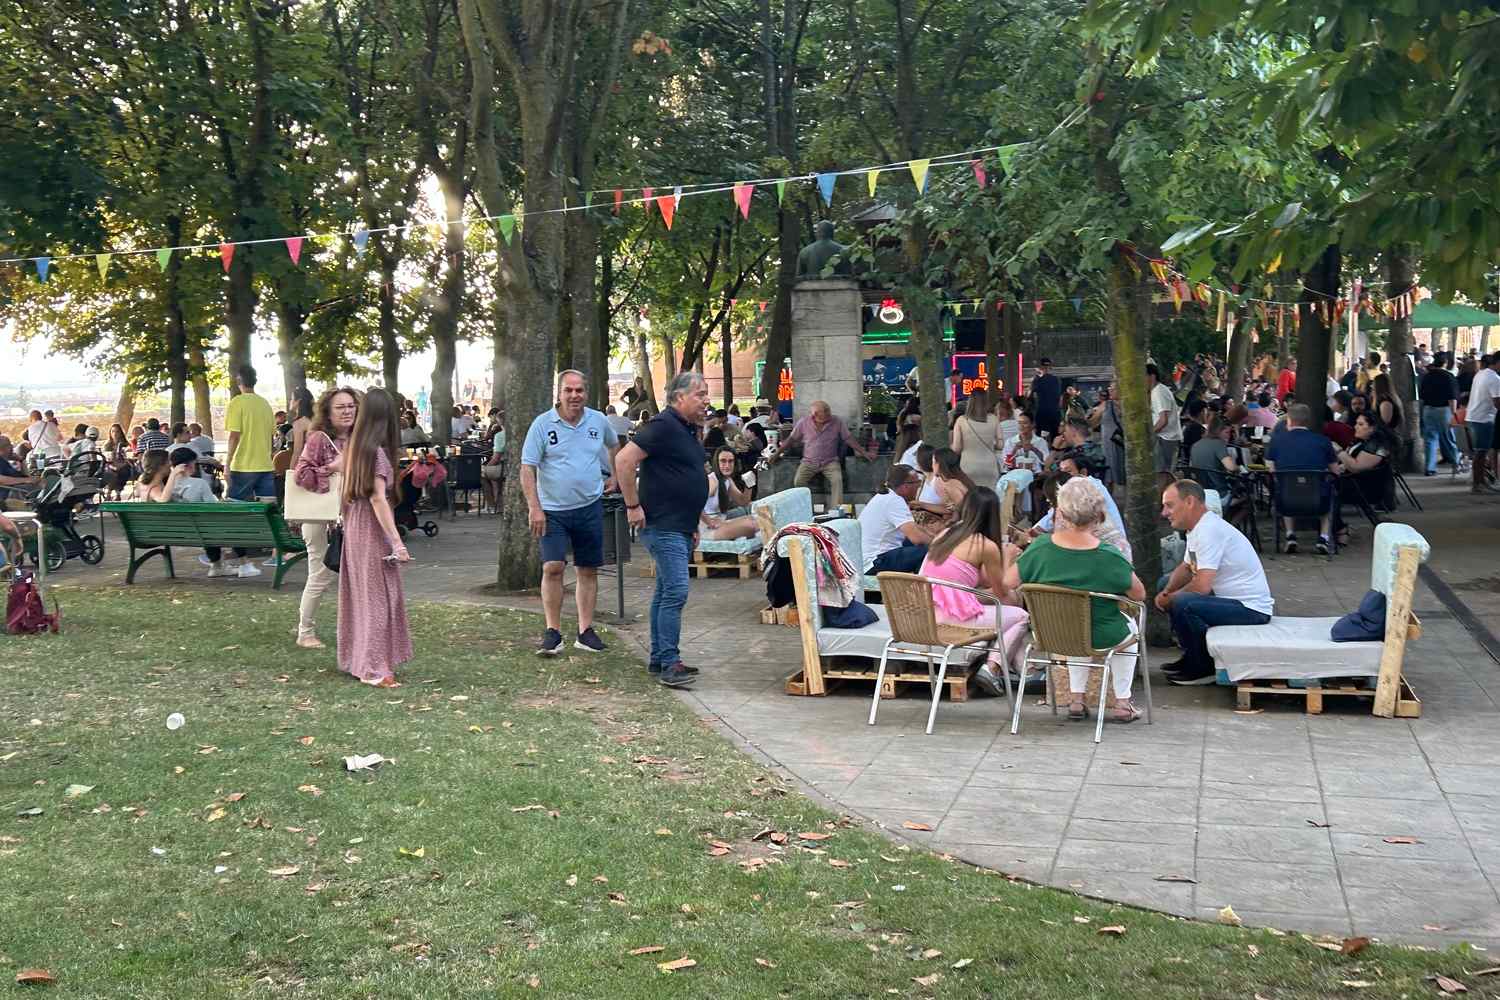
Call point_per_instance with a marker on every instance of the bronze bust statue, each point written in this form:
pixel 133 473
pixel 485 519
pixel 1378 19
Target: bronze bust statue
pixel 816 255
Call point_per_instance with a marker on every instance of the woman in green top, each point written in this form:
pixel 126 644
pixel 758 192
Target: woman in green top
pixel 1072 556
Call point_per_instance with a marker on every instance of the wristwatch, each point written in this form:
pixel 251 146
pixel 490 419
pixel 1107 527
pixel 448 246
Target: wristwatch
pixel 632 506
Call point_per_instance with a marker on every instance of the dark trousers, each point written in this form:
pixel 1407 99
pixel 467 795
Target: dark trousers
pixel 1194 614
pixel 905 559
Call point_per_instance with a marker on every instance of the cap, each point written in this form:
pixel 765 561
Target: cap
pixel 92 433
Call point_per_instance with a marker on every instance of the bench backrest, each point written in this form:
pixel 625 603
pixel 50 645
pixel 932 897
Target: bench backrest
pixel 214 525
pixel 1390 539
pixel 772 513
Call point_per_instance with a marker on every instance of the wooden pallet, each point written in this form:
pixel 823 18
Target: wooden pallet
pixel 741 564
pixel 784 615
pixel 1408 705
pixel 899 676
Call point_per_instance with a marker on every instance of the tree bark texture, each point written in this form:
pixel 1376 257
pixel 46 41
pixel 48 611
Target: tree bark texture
pixel 203 407
pixel 1238 361
pixel 993 347
pixel 177 361
pixel 1401 276
pixel 1322 290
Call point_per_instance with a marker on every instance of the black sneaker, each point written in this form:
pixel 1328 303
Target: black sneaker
pixel 1291 543
pixel 589 641
pixel 1187 680
pixel 551 643
pixel 654 669
pixel 1323 545
pixel 1177 666
pixel 675 676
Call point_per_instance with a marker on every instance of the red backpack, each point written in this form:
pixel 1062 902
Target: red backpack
pixel 24 612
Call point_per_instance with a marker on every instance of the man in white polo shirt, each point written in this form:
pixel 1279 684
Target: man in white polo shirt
pixel 891 538
pixel 1220 581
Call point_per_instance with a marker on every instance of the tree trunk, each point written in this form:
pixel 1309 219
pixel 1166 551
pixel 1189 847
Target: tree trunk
pixel 1130 346
pixel 203 406
pixel 668 353
pixel 290 323
pixel 601 328
pixel 177 361
pixel 643 368
pixel 927 344
pixel 240 314
pixel 726 347
pixel 390 346
pixel 1238 361
pixel 1322 285
pixel 446 311
pixel 582 265
pixel 779 339
pixel 1400 276
pixel 125 405
pixel 993 348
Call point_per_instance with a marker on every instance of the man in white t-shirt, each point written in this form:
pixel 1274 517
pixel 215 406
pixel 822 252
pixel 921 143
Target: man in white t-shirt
pixel 1166 424
pixel 1219 582
pixel 1484 394
pixel 892 540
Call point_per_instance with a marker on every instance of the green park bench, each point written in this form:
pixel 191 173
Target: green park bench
pixel 157 527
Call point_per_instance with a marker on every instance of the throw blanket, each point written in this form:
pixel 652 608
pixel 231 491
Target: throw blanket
pixel 838 580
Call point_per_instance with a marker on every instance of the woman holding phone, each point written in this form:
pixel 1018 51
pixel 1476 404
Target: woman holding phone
pixel 373 639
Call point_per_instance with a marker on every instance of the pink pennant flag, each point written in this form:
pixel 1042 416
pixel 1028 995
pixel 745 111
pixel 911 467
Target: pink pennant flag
pixel 226 254
pixel 742 193
pixel 762 307
pixel 619 197
pixel 294 248
pixel 668 204
pixel 1039 303
pixel 999 307
pixel 979 174
pixel 648 193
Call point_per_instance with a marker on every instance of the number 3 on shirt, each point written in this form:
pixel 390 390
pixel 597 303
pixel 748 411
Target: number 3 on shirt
pixel 552 437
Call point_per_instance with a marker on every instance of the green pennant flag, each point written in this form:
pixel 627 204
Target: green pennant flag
pixel 1006 154
pixel 101 260
pixel 588 199
pixel 780 192
pixel 163 257
pixel 507 226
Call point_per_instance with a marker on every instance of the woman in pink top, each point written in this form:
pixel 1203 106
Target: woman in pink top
pixel 969 554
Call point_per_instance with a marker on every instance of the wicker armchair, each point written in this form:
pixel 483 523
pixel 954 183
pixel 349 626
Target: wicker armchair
pixel 1061 626
pixel 916 630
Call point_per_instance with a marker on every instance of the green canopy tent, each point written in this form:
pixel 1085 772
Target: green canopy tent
pixel 1431 316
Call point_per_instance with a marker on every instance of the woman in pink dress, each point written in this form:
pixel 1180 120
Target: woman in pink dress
pixel 969 554
pixel 373 637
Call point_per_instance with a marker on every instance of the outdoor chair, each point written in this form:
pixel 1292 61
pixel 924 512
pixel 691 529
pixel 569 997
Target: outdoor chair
pixel 1240 510
pixel 1061 624
pixel 464 477
pixel 915 630
pixel 1303 493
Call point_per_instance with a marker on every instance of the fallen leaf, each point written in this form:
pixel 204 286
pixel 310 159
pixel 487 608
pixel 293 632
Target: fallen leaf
pixel 682 963
pixel 778 838
pixel 1228 916
pixel 35 977
pixel 1328 945
pixel 1113 929
pixel 73 791
pixel 308 741
pixel 618 898
pixel 763 834
pixel 1253 950
pixel 570 881
pixel 814 836
pixel 312 790
pixel 1354 945
pixel 931 980
pixel 962 963
pixel 1401 840
pixel 837 863
pixel 459 697
pixel 1080 920
pixel 909 825
pixel 534 982
pixel 284 871
pixel 420 852
pixel 600 880
pixel 663 832
pixel 1176 878
pixel 1448 985
pixel 215 816
pixel 650 949
pixel 765 963
pixel 527 809
pixel 717 852
pixel 316 887
pixel 208 750
pixel 234 796
pixel 1355 984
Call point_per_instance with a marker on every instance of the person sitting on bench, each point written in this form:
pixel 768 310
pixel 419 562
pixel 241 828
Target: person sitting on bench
pixel 1219 582
pixel 893 541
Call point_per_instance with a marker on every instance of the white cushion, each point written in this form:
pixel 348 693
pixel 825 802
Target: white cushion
pixel 733 546
pixel 1290 649
pixel 867 642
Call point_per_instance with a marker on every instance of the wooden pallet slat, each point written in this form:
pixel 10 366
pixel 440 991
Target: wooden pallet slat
pixel 740 564
pixel 956 681
pixel 1406 706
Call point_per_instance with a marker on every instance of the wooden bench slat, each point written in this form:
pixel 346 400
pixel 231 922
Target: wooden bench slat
pixel 160 526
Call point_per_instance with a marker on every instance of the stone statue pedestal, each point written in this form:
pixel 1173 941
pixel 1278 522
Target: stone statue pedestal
pixel 826 362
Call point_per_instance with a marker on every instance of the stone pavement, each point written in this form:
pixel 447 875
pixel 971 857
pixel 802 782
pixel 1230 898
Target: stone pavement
pixel 1284 816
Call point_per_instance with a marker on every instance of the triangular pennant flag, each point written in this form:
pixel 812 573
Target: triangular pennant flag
pixel 101 260
pixel 1039 304
pixel 874 311
pixel 668 205
pixel 435 230
pixel 780 192
pixel 588 199
pixel 825 186
pixel 163 257
pixel 507 224
pixel 979 174
pixel 1078 306
pixel 999 307
pixel 42 264
pixel 919 173
pixel 762 307
pixel 294 248
pixel 1006 154
pixel 677 196
pixel 871 176
pixel 733 303
pixel 648 194
pixel 226 254
pixel 742 195
pixel 361 237
pixel 619 197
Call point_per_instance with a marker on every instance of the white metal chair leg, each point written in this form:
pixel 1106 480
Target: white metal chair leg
pixel 1103 698
pixel 1051 690
pixel 880 680
pixel 1142 669
pixel 937 690
pixel 1015 718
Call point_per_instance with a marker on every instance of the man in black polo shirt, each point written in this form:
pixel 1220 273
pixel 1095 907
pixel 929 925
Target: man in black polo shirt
pixel 1046 398
pixel 672 491
pixel 1438 391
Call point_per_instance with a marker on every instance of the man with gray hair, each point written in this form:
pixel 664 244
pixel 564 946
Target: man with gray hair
pixel 668 454
pixel 820 433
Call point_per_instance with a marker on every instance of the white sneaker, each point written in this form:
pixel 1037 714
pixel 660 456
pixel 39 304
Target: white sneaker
pixel 205 560
pixel 248 569
pixel 271 562
pixel 219 569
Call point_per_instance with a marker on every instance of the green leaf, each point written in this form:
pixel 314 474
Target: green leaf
pixel 1288 214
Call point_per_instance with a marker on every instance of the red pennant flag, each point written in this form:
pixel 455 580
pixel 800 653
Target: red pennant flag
pixel 647 194
pixel 742 194
pixel 226 254
pixel 619 197
pixel 294 248
pixel 762 307
pixel 668 204
pixel 999 307
pixel 1039 303
pixel 979 174
pixel 733 303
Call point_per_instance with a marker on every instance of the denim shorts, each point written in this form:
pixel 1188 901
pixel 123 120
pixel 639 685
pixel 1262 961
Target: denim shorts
pixel 1482 436
pixel 581 529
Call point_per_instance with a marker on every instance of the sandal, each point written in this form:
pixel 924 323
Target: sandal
pixel 1125 711
pixel 387 682
pixel 310 642
pixel 1078 711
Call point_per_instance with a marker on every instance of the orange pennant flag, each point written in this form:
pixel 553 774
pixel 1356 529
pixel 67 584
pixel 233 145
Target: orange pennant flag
pixel 668 204
pixel 226 254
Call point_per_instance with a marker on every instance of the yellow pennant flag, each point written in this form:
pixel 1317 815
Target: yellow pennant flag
pixel 435 229
pixel 102 260
pixel 871 176
pixel 919 173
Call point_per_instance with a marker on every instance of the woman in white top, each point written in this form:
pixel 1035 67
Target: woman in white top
pixel 44 436
pixel 974 439
pixel 726 497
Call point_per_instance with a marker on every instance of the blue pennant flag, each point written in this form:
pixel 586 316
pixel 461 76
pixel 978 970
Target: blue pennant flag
pixel 361 237
pixel 42 264
pixel 1078 306
pixel 825 185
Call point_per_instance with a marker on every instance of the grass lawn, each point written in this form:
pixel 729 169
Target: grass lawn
pixel 539 821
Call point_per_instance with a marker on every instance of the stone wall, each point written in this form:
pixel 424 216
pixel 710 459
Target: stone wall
pixel 826 356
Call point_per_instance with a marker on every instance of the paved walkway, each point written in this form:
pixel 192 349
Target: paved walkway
pixel 1289 818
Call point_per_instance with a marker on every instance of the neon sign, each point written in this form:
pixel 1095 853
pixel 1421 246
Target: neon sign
pixel 891 311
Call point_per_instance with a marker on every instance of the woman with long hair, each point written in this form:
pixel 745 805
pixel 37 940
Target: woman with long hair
pixel 372 638
pixel 320 454
pixel 976 439
pixel 953 483
pixel 1385 405
pixel 724 515
pixel 969 553
pixel 304 411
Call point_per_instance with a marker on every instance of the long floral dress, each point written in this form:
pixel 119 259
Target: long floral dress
pixel 373 637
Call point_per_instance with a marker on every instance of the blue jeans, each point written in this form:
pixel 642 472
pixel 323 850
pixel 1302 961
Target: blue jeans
pixel 1194 614
pixel 1437 431
pixel 249 485
pixel 670 551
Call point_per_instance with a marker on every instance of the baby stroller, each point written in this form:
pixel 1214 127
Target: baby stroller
pixel 405 510
pixel 57 506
